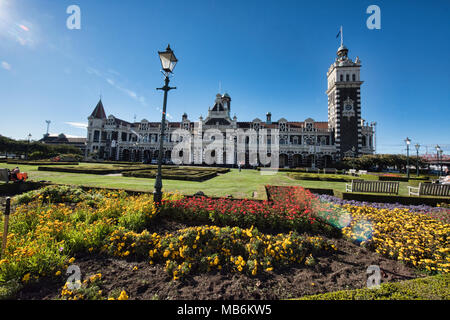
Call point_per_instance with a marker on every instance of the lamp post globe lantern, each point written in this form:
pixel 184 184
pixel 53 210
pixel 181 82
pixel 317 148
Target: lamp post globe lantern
pixel 168 62
pixel 417 156
pixel 408 142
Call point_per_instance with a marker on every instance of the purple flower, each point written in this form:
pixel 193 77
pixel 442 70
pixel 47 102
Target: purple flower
pixel 442 214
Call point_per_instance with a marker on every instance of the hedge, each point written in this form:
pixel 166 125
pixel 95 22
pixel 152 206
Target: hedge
pixel 187 175
pixel 428 288
pixel 41 162
pixel 406 200
pixel 93 170
pixel 16 188
pixel 302 170
pixel 321 177
pixel 402 179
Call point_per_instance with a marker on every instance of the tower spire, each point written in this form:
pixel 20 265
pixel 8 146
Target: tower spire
pixel 342 37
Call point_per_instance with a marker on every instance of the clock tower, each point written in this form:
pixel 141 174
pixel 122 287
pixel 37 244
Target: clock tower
pixel 344 104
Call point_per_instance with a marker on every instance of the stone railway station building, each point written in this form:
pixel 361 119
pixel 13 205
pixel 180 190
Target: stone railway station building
pixel 301 143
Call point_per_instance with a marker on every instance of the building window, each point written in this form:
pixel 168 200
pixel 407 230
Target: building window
pixel 353 77
pixel 347 77
pixel 96 135
pixel 342 78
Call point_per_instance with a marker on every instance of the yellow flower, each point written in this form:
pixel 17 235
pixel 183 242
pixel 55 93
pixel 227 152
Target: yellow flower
pixel 26 277
pixel 58 273
pixel 123 295
pixel 71 260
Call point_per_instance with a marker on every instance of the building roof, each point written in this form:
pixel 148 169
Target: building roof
pixel 220 121
pixel 99 111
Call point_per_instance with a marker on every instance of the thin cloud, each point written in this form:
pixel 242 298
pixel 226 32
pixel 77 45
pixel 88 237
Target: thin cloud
pixel 79 125
pixel 132 94
pixel 5 65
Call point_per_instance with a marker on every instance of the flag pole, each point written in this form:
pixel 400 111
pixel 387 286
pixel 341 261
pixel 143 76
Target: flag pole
pixel 342 37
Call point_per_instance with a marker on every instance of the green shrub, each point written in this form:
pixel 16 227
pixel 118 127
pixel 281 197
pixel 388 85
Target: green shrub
pixel 56 194
pixel 321 177
pixel 429 288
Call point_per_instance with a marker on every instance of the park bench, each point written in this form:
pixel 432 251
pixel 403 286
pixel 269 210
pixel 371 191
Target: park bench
pixel 330 170
pixel 352 172
pixel 372 186
pixel 360 172
pixel 430 189
pixel 315 170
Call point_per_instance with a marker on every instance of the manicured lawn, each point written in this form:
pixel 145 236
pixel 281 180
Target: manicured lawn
pixel 235 183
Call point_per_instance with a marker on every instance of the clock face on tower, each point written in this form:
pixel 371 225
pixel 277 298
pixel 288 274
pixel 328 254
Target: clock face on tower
pixel 348 108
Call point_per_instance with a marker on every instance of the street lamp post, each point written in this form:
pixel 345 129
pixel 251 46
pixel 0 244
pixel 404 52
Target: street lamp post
pixel 440 160
pixel 417 162
pixel 438 149
pixel 408 141
pixel 28 145
pixel 168 62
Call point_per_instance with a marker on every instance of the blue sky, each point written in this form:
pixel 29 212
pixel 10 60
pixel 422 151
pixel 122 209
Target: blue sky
pixel 268 55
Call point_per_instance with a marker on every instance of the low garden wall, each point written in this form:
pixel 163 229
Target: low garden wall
pixel 20 187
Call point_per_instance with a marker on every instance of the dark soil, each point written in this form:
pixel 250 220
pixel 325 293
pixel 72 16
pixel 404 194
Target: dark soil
pixel 345 269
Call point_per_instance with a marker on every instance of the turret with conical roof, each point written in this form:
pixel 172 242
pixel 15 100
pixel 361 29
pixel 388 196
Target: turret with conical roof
pixel 99 111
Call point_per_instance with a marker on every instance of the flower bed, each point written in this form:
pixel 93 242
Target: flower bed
pixel 174 174
pixel 205 248
pixel 52 225
pixel 439 213
pixel 413 238
pixel 292 209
